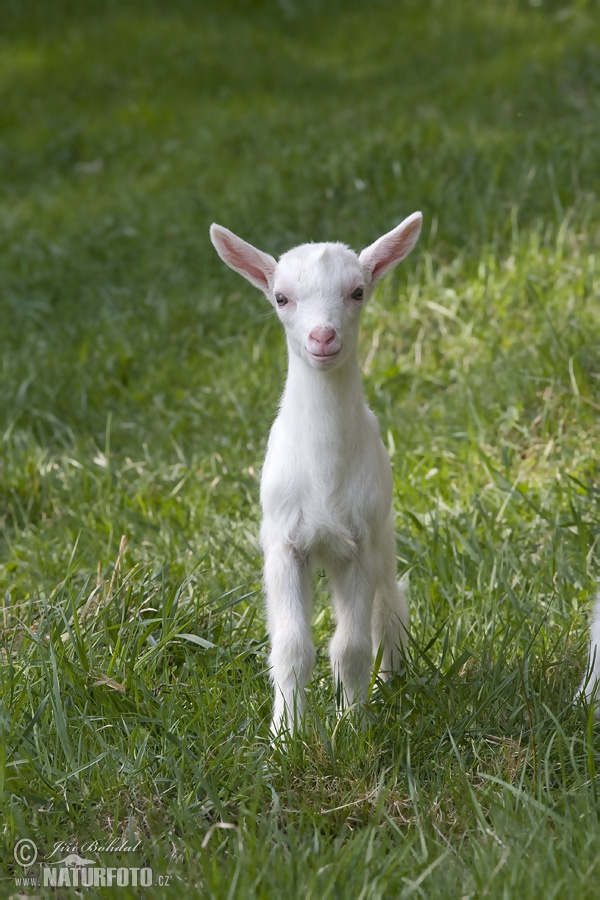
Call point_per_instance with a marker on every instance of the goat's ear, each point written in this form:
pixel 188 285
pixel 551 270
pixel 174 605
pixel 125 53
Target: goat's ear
pixel 389 250
pixel 253 264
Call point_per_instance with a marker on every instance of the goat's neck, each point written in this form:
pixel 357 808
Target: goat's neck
pixel 330 403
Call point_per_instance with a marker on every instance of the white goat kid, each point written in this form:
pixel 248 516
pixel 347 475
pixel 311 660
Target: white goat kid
pixel 326 489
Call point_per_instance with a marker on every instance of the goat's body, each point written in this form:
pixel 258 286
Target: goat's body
pixel 326 488
pixel 327 479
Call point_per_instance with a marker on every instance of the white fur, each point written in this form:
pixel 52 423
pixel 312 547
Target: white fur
pixel 591 683
pixel 326 488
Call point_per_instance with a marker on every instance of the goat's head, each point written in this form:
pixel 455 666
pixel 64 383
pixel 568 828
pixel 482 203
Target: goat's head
pixel 318 290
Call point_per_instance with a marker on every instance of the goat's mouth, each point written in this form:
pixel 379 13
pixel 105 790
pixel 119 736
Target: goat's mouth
pixel 321 359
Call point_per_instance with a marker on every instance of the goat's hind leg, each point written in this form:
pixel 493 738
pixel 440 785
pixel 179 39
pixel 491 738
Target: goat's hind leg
pixel 591 683
pixel 287 582
pixel 390 612
pixel 350 649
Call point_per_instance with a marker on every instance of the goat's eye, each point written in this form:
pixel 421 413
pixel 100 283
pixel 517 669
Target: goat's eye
pixel 281 300
pixel 358 294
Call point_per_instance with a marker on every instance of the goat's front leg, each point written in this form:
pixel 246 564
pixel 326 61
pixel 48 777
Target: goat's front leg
pixel 287 583
pixel 351 648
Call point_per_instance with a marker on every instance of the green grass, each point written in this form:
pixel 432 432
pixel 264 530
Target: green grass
pixel 139 379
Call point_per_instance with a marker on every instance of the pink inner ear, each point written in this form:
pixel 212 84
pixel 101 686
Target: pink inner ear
pixel 244 259
pixel 258 275
pixel 394 248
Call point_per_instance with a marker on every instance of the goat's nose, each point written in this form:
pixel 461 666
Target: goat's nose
pixel 322 336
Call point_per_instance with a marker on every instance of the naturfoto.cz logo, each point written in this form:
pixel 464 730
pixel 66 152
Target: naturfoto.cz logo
pixel 77 871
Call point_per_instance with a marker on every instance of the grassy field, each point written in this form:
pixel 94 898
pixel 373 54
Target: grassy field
pixel 139 379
